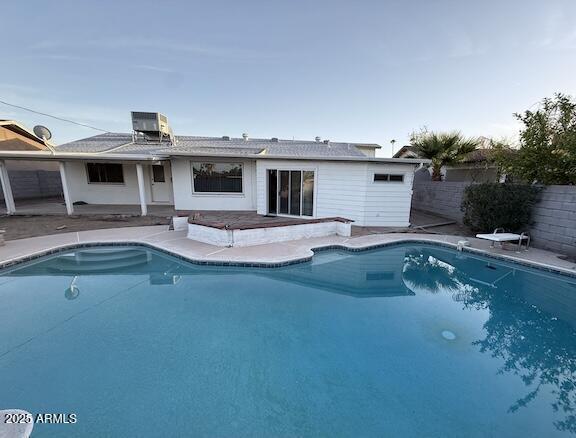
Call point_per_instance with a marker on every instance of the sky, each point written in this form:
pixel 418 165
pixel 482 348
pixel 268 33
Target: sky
pixel 356 71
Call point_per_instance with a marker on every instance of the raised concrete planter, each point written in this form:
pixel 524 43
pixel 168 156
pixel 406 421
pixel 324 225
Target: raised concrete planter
pixel 261 236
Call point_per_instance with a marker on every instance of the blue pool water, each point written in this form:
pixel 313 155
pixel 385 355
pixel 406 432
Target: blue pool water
pixel 410 340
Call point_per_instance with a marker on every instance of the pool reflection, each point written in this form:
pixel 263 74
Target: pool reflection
pixel 536 341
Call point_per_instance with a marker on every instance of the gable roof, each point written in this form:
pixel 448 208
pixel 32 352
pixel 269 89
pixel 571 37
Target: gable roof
pixel 22 138
pixel 406 151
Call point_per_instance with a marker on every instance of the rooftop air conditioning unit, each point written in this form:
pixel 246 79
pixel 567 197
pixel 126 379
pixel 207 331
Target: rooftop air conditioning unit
pixel 153 125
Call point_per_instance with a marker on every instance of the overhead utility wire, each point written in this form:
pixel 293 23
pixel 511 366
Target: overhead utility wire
pixel 54 117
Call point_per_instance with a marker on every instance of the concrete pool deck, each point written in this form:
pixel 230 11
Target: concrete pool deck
pixel 175 242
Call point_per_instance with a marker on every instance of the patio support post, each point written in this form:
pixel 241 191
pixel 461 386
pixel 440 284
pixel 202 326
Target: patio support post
pixel 141 189
pixel 69 205
pixel 7 189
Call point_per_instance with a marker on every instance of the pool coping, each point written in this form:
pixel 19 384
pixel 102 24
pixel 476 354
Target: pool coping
pixel 349 245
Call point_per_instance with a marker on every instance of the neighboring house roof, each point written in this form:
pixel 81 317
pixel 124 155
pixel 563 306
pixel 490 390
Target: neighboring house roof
pixel 406 152
pixel 21 138
pixel 477 156
pixel 480 155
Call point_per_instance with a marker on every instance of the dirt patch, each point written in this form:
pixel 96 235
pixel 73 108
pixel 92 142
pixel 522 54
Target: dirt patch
pixel 20 227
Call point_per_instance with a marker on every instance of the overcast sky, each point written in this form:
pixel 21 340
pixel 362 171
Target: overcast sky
pixel 361 71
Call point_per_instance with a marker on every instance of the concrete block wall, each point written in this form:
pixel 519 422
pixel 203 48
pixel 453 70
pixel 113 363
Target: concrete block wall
pixel 29 184
pixel 554 216
pixel 440 197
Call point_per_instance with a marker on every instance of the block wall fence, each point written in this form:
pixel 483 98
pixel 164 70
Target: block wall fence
pixel 554 216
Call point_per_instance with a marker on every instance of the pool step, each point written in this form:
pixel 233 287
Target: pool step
pixel 107 254
pixel 98 261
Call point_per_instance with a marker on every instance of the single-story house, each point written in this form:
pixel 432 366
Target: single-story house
pixel 305 179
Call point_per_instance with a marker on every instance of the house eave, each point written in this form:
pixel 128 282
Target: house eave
pixel 45 155
pixel 42 155
pixel 364 159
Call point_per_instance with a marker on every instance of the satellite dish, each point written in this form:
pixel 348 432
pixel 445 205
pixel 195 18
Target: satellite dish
pixel 42 132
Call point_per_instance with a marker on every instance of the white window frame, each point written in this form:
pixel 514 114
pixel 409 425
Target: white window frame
pixel 105 183
pixel 402 174
pixel 238 194
pixel 292 169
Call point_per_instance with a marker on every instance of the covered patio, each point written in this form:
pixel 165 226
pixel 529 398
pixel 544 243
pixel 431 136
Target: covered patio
pixel 57 207
pixel 134 193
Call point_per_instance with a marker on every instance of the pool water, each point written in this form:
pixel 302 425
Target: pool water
pixel 410 340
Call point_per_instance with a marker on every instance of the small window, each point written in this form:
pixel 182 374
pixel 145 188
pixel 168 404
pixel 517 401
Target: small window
pixel 217 177
pixel 158 173
pixel 105 173
pixel 386 177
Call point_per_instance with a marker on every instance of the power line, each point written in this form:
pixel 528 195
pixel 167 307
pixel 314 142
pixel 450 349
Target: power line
pixel 54 117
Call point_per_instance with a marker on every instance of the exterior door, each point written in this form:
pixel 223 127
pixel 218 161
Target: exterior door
pixel 291 192
pixel 160 183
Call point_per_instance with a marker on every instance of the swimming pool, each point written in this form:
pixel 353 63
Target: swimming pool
pixel 408 340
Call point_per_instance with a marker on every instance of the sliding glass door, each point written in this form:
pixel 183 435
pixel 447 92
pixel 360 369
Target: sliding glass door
pixel 308 193
pixel 291 192
pixel 284 191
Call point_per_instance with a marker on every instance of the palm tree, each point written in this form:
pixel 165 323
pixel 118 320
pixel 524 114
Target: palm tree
pixel 443 149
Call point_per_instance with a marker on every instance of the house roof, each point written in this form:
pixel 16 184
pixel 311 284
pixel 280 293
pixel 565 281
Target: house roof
pixel 477 156
pixel 122 146
pixel 406 151
pixel 32 139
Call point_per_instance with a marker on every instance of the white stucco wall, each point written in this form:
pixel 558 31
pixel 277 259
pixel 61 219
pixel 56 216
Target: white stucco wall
pixel 347 189
pixel 262 236
pixel 81 190
pixel 186 199
pixel 115 194
pixel 387 204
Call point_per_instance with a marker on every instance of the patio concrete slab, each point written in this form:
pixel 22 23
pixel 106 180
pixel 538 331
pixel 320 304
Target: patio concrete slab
pixel 56 207
pixel 177 243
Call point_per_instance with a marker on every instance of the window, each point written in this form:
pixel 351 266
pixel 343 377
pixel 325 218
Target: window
pixel 158 173
pixel 386 177
pixel 105 173
pixel 217 177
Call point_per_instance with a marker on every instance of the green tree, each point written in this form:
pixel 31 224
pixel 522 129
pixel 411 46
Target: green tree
pixel 444 149
pixel 547 153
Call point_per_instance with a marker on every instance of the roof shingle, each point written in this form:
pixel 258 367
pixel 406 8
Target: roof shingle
pixel 123 144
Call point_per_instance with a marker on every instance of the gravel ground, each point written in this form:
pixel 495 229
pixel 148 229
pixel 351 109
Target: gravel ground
pixel 20 227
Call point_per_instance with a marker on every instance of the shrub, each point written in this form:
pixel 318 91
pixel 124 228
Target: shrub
pixel 492 205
